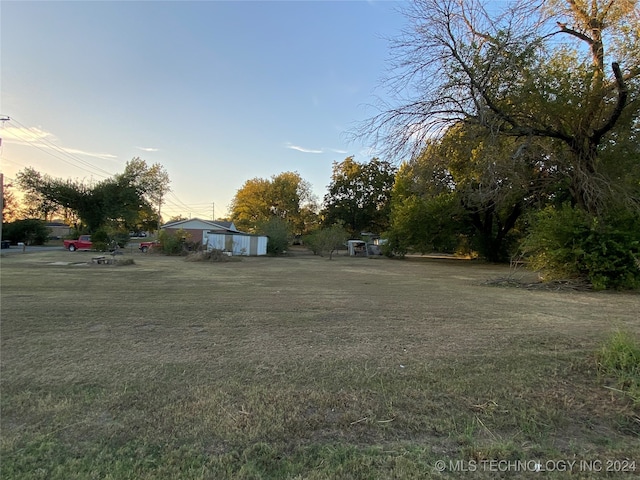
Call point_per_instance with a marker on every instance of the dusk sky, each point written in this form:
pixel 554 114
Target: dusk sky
pixel 217 92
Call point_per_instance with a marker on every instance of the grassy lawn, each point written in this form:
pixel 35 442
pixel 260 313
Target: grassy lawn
pixel 304 368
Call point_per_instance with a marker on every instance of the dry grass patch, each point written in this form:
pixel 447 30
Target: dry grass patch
pixel 299 367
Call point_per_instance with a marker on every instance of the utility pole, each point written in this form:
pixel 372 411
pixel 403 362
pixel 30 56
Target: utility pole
pixel 3 118
pixel 213 211
pixel 159 209
pixel 1 202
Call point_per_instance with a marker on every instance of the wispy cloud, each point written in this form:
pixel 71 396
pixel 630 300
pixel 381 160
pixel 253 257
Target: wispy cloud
pixel 302 149
pixel 298 148
pixel 75 151
pixel 337 150
pixel 148 149
pixel 36 137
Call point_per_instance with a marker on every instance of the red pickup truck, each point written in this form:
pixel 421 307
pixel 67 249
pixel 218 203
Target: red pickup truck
pixel 145 246
pixel 82 243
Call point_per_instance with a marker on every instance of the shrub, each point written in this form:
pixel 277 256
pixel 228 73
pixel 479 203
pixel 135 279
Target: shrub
pixel 100 240
pixel 173 243
pixel 279 234
pixel 433 224
pixel 100 236
pixel 568 243
pixel 121 238
pixel 396 244
pixel 31 231
pixel 311 242
pixel 619 358
pixel 327 240
pixel 100 246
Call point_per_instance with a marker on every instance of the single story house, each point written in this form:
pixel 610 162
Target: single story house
pixel 197 228
pixel 58 229
pixel 215 234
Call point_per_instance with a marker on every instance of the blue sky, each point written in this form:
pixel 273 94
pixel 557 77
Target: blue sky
pixel 217 92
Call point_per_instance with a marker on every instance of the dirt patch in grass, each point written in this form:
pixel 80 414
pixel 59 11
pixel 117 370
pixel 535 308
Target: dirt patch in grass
pixel 300 367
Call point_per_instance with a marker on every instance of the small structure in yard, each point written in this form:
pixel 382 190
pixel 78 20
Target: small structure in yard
pixel 361 248
pixel 236 243
pixel 357 248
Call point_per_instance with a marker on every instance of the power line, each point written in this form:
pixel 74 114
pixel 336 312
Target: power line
pixel 36 142
pixel 26 134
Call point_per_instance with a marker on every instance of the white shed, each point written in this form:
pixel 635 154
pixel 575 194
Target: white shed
pixel 236 242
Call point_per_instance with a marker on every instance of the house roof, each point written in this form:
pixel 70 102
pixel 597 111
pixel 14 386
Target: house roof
pixel 227 225
pixel 199 224
pixel 236 232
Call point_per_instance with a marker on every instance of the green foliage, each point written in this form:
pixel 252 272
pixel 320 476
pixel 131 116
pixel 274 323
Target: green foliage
pixel 327 240
pixel 567 242
pixel 279 233
pixel 286 196
pixel 619 358
pixel 100 240
pixel 311 242
pixel 123 201
pixel 515 119
pixel 152 182
pixel 105 239
pixel 100 235
pixel 432 224
pixel 10 208
pixel 31 231
pixel 121 238
pixel 525 80
pixel 41 192
pixel 467 190
pixel 396 244
pixel 173 243
pixel 359 195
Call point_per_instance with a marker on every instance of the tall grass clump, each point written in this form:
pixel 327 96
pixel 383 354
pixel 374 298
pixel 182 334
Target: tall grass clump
pixel 213 255
pixel 619 358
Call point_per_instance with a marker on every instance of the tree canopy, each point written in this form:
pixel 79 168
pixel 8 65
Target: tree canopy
pixel 125 200
pixel 566 71
pixel 286 196
pixel 468 189
pixel 359 195
pixel 9 204
pixel 502 110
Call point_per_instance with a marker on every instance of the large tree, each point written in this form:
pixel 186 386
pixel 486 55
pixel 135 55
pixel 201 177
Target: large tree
pixel 9 204
pixel 39 199
pixel 563 70
pixel 153 184
pixel 469 189
pixel 123 201
pixel 359 195
pixel 286 196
